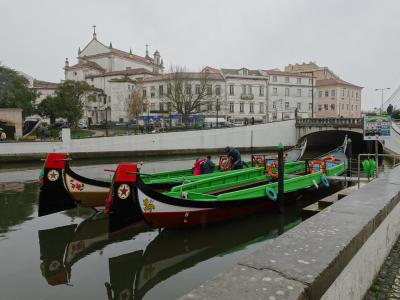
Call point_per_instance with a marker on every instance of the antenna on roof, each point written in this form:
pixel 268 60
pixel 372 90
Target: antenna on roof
pixel 94 32
pixel 147 51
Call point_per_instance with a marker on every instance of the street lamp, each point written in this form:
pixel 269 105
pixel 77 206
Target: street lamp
pixel 382 89
pixel 217 110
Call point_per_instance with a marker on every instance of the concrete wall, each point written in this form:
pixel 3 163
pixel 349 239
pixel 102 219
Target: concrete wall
pixel 334 255
pixel 264 135
pixel 13 116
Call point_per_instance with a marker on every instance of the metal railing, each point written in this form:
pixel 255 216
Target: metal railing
pixel 375 156
pixel 334 122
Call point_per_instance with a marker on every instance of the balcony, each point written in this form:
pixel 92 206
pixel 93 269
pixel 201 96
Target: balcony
pixel 247 96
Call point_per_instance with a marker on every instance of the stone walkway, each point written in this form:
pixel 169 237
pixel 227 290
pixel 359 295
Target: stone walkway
pixel 387 283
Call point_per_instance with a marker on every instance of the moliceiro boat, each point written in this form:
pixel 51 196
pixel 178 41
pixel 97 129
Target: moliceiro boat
pixel 216 199
pixel 72 189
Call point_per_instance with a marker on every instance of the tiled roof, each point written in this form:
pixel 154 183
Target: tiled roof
pixel 334 81
pixel 237 72
pixel 88 64
pixel 283 73
pixel 132 56
pixel 184 75
pixel 126 72
pixel 40 84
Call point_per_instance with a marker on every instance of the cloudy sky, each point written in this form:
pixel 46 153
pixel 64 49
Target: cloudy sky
pixel 358 40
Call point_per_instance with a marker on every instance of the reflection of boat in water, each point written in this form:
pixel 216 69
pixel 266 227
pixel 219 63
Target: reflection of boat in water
pixel 134 274
pixel 63 246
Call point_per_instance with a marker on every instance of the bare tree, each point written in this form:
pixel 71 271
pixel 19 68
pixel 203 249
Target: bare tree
pixel 135 104
pixel 182 96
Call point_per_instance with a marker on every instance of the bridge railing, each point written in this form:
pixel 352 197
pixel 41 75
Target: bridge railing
pixel 331 122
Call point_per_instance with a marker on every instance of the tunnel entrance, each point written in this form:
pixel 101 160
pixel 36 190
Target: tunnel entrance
pixel 323 141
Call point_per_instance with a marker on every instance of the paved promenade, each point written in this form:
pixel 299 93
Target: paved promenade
pixel 387 283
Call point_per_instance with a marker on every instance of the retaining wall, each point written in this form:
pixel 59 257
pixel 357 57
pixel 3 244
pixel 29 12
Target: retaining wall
pixel 258 136
pixel 334 255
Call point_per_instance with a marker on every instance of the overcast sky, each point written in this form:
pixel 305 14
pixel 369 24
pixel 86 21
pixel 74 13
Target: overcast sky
pixel 359 40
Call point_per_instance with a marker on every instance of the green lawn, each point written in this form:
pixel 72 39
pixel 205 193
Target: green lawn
pixel 81 133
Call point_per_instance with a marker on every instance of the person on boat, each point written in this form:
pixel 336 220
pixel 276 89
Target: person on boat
pixel 197 166
pixel 207 166
pixel 235 157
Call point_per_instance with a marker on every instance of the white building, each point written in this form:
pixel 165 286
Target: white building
pixel 114 73
pixel 246 95
pixel 288 92
pixel 156 87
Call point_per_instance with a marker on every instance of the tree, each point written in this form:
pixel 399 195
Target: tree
pixel 68 101
pixel 15 92
pixel 49 108
pixel 180 93
pixel 135 102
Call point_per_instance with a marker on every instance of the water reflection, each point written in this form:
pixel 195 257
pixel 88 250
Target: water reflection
pixel 17 202
pixel 133 274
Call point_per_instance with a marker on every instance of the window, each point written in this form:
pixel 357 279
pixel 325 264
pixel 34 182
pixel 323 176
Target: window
pixel 347 107
pixel 161 106
pixel 152 106
pixel 261 105
pixel 169 106
pixel 275 78
pixel 209 107
pixel 286 91
pixel 343 93
pixel 320 94
pixel 252 107
pixel 348 93
pixel 209 89
pixel 250 89
pixel 333 93
pixel 310 81
pixel 326 106
pixel 356 94
pixel 352 94
pixel 121 120
pixel 197 89
pixel 298 92
pixel 152 92
pixel 144 92
pixel 169 89
pixel 310 106
pixel 274 91
pixel 231 90
pixel 274 104
pixel 286 105
pixel 298 105
pixel 298 80
pixel 241 107
pixel 231 107
pixel 261 91
pixel 75 73
pixel 332 106
pixel 326 93
pixel 188 89
pixel 356 107
pixel 342 106
pixel 161 90
pixel 352 107
pixel 287 79
pixel 243 89
pixel 310 92
pixel 218 90
pixel 319 107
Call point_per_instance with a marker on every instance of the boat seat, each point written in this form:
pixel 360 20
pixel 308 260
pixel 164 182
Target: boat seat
pixel 238 187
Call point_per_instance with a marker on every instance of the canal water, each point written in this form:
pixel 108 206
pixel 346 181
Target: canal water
pixel 73 255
